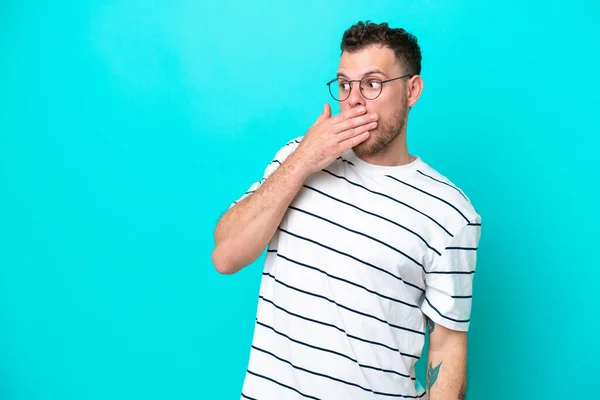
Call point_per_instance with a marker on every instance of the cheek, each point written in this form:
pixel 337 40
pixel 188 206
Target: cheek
pixel 385 115
pixel 384 108
pixel 392 113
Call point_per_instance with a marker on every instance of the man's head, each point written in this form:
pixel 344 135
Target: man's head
pixel 378 51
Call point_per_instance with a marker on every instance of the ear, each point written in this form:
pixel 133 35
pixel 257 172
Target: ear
pixel 415 88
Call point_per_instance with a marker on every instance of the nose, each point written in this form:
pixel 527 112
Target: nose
pixel 356 97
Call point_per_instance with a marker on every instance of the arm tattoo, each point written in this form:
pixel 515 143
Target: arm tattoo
pixel 432 374
pixel 462 393
pixel 430 325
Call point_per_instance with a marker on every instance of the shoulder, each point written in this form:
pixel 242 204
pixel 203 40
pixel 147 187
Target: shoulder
pixel 288 148
pixel 436 184
pixel 294 143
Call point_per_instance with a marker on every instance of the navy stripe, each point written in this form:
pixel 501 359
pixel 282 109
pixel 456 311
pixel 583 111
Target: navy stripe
pixel 342 306
pixel 338 329
pixel 330 377
pixel 252 191
pixel 375 215
pixel 344 160
pixel 429 194
pixel 347 281
pixel 359 233
pixel 451 272
pixel 272 251
pixel 292 141
pixel 332 352
pixel 474 224
pixel 275 161
pixel 461 297
pixel 389 197
pixel 284 385
pixel 445 183
pixel 461 248
pixel 248 397
pixel 443 316
pixel 352 257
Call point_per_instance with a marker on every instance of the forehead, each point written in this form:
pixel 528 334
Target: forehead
pixel 368 59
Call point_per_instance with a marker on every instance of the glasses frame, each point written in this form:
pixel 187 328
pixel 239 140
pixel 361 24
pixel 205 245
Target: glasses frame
pixel 360 86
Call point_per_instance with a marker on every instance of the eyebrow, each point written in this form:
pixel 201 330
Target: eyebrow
pixel 369 72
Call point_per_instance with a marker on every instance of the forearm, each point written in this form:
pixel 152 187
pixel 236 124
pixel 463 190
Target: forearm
pixel 244 231
pixel 446 365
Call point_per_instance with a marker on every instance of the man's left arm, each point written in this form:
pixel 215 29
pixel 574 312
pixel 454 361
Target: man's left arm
pixel 446 363
pixel 447 308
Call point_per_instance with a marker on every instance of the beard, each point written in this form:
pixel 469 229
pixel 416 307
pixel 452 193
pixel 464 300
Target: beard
pixel 385 133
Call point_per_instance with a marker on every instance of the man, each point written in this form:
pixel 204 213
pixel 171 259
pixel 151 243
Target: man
pixel 367 244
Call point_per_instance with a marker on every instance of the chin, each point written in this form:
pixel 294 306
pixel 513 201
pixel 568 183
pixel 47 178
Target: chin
pixel 366 147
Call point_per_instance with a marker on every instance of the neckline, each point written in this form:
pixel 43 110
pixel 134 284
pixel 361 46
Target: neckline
pixel 349 155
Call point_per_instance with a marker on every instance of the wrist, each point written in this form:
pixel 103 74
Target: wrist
pixel 299 169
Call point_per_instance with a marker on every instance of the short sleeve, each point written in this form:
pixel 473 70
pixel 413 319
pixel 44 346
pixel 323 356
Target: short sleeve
pixel 279 158
pixel 449 280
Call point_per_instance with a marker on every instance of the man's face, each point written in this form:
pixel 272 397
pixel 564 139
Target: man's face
pixel 392 103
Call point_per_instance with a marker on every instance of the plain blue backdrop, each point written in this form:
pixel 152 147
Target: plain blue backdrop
pixel 128 127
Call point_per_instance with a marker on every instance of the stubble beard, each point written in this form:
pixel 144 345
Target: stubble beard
pixel 385 134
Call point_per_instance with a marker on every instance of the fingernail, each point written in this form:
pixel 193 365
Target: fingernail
pixel 361 109
pixel 373 116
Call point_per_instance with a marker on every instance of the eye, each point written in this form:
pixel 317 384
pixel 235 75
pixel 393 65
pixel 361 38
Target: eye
pixel 343 85
pixel 374 84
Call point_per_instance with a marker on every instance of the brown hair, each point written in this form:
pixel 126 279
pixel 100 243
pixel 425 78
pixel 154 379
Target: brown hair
pixel 404 44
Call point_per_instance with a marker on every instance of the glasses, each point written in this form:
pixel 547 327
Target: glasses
pixel 370 87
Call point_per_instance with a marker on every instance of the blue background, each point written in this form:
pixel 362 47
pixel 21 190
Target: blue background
pixel 128 127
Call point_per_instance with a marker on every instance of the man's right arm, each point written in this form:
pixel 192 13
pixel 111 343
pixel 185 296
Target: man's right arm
pixel 245 229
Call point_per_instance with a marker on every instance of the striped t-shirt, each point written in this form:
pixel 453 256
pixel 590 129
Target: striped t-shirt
pixel 362 255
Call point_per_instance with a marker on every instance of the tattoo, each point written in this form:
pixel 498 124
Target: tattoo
pixel 432 374
pixel 462 393
pixel 430 325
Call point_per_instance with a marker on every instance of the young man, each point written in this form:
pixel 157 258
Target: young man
pixel 367 244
